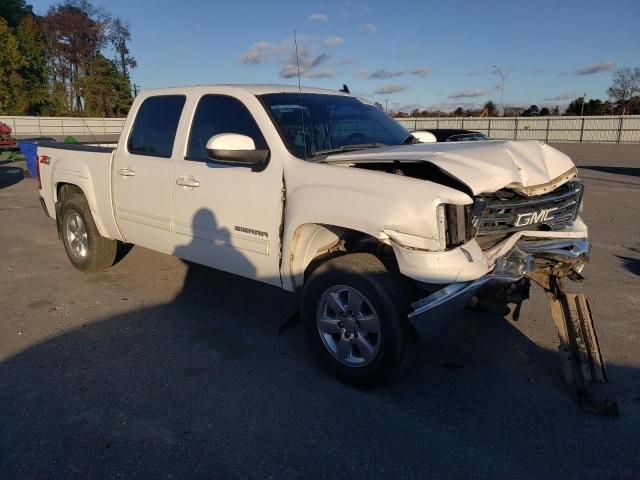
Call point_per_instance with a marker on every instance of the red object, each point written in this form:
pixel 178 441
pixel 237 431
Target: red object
pixel 5 136
pixel 44 159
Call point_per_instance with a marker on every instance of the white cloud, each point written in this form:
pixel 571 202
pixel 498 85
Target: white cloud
pixel 606 66
pixel 470 93
pixel 383 73
pixel 313 57
pixel 328 72
pixel 562 96
pixel 261 51
pixel 308 65
pixel 333 41
pixel 390 88
pixel 368 28
pixel 318 17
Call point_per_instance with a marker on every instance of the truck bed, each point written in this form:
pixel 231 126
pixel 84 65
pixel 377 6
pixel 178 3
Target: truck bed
pixel 87 166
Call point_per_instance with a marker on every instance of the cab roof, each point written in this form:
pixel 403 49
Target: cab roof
pixel 255 89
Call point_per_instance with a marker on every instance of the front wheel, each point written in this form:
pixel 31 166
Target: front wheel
pixel 353 309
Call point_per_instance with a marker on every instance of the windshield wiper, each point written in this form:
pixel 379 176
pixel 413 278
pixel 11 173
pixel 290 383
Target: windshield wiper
pixel 349 148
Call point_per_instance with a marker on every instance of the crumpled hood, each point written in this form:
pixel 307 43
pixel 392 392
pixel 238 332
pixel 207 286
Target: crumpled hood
pixel 528 166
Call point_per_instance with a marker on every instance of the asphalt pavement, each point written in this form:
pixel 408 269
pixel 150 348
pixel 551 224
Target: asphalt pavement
pixel 162 369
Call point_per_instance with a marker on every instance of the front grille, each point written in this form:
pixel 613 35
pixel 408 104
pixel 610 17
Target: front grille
pixel 508 212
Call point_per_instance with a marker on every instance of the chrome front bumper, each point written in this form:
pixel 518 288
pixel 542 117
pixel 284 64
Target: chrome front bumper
pixel 429 314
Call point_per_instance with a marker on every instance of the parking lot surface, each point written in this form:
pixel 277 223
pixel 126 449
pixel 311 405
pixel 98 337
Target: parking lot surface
pixel 162 369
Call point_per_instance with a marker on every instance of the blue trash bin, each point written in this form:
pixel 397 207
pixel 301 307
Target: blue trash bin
pixel 29 149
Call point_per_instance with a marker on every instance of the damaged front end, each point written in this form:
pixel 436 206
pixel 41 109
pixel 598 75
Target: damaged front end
pixel 546 262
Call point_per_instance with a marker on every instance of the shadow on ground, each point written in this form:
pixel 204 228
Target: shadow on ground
pixel 10 175
pixel 630 263
pixel 173 391
pixel 629 171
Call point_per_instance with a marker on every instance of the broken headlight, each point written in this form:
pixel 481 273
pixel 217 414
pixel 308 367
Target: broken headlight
pixel 455 225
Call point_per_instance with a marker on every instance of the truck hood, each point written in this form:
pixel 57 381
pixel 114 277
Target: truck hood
pixel 529 167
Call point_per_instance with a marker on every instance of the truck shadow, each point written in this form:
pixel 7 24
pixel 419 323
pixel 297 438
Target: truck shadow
pixel 204 387
pixel 10 175
pixel 630 263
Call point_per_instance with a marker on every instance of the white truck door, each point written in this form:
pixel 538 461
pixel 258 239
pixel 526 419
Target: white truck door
pixel 143 174
pixel 226 216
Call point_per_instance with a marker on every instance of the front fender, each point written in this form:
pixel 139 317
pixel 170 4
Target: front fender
pixel 362 200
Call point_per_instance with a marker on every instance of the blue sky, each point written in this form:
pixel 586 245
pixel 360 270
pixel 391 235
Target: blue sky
pixel 411 53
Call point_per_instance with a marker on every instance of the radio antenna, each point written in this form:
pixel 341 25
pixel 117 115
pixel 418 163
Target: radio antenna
pixel 304 137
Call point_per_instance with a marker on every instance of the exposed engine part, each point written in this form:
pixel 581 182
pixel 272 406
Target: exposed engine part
pixel 496 298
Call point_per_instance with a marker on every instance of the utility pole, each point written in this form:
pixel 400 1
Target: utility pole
pixel 386 102
pixel 503 76
pixel 584 98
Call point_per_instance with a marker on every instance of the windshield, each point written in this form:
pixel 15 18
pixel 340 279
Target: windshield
pixel 331 122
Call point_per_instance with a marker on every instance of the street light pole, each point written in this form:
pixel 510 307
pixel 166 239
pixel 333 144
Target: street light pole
pixel 503 76
pixel 584 97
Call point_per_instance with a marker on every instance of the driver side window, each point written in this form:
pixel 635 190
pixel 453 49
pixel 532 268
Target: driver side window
pixel 217 114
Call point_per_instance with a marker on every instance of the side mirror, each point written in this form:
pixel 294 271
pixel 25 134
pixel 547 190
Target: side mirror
pixel 236 149
pixel 424 137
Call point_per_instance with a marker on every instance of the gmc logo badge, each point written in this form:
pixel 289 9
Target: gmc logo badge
pixel 531 218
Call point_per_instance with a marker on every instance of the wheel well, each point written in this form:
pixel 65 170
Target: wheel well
pixel 65 191
pixel 352 241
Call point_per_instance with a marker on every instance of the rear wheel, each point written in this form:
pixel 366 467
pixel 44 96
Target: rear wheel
pixel 86 248
pixel 354 313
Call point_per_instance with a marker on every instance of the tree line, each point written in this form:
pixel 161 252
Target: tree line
pixel 74 60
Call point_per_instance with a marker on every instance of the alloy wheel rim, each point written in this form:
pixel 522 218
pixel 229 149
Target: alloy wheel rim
pixel 348 326
pixel 77 236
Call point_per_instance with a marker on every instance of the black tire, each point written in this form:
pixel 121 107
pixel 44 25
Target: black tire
pixel 100 252
pixel 387 293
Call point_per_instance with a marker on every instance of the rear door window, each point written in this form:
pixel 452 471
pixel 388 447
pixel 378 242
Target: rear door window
pixel 217 114
pixel 155 126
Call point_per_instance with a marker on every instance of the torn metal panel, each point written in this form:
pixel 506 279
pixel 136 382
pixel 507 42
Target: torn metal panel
pixel 580 354
pixel 543 187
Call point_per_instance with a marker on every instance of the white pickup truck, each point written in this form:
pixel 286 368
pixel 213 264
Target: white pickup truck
pixel 322 192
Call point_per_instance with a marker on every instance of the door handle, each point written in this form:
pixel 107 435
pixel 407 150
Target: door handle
pixel 126 172
pixel 187 182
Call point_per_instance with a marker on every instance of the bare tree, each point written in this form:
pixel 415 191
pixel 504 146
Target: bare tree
pixel 626 84
pixel 119 37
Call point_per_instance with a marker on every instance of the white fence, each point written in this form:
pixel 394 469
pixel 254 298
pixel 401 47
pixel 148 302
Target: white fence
pixel 615 129
pixel 62 126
